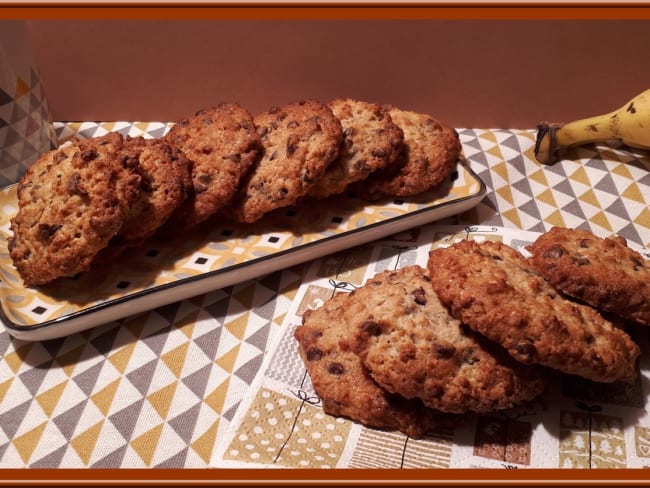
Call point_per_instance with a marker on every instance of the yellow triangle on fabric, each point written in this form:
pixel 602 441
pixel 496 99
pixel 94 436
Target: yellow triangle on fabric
pixel 513 216
pixel 216 399
pixel 84 444
pixel 500 169
pixel 143 126
pixel 643 219
pixel 540 177
pixel 26 443
pixel 489 136
pixel 122 357
pixel 601 219
pixel 555 219
pixel 70 359
pixel 547 197
pixel 623 170
pixel 22 88
pixel 15 359
pixel 49 399
pixel 580 176
pixel 496 152
pixel 103 399
pixel 245 295
pixel 187 328
pixel 227 360
pixel 506 194
pixel 238 326
pixel 4 388
pixel 146 444
pixel 204 444
pixel 175 359
pixel 161 400
pixel 589 197
pixel 633 193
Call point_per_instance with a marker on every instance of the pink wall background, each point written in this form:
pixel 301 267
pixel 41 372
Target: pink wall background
pixel 469 73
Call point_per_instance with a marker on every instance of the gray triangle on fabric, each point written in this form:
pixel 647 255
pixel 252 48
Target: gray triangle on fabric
pixel 53 346
pixel 185 423
pixel 209 342
pixel 644 180
pixel 197 381
pixel 617 208
pixel 176 461
pixel 607 185
pixel 574 208
pixel 260 337
pixel 33 378
pixel 156 340
pixel 597 162
pixel 157 133
pixel 112 460
pixel 88 133
pixel 218 309
pixel 630 234
pixel 5 340
pixel 530 208
pixel 230 413
pixel 538 227
pixel 248 371
pixel 3 448
pixel 87 380
pixel 11 419
pixel 169 312
pixel 67 421
pixel 565 187
pixel 52 460
pixel 126 419
pixel 105 342
pixel 142 376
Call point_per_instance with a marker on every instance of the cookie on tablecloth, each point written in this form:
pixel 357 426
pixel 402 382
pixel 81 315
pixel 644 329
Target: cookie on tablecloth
pixel 222 144
pixel 602 272
pixel 494 290
pixel 344 385
pixel 371 141
pixel 412 346
pixel 300 140
pixel 430 152
pixel 71 202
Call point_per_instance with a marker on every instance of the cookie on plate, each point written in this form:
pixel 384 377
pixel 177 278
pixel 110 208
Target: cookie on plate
pixel 412 346
pixel 371 141
pixel 71 202
pixel 344 385
pixel 604 273
pixel 166 181
pixel 429 154
pixel 300 140
pixel 222 144
pixel 494 290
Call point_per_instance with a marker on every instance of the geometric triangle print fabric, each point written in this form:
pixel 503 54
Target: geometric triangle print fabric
pixel 162 388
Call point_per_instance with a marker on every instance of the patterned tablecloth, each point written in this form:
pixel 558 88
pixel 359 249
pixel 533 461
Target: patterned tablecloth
pixel 197 384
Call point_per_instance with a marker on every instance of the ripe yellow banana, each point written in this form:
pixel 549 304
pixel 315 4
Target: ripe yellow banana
pixel 629 124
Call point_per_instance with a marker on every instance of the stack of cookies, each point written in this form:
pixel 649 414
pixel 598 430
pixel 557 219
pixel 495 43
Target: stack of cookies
pixel 89 199
pixel 479 330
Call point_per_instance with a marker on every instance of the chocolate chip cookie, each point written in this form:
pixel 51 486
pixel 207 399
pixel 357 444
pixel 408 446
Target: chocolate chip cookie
pixel 344 385
pixel 602 272
pixel 371 141
pixel 412 346
pixel 300 140
pixel 71 202
pixel 494 290
pixel 429 154
pixel 222 144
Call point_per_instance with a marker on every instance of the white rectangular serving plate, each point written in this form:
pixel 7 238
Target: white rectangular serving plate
pixel 215 255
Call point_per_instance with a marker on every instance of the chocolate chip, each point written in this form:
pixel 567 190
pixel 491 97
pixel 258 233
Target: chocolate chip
pixel 554 252
pixel 88 155
pixel 371 327
pixel 74 185
pixel 444 351
pixel 581 261
pixel 526 349
pixel 335 368
pixel 314 354
pixel 46 231
pixel 60 156
pixel 292 144
pixel 419 297
pixel 584 243
pixel 378 153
